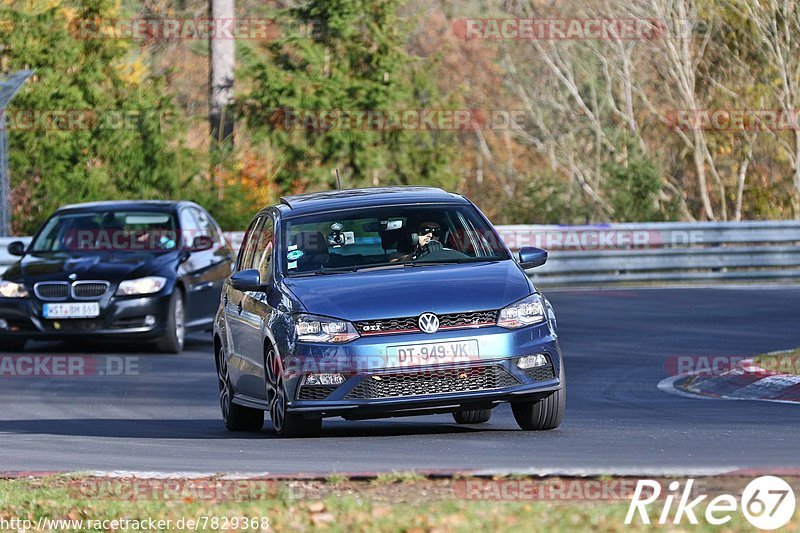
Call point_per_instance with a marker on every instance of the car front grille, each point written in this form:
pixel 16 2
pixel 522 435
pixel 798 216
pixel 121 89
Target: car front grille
pixel 51 290
pixel 541 373
pixel 439 381
pixel 315 392
pixel 410 324
pixel 89 290
pixel 59 291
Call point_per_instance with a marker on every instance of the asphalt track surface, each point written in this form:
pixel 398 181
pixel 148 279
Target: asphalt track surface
pixel 616 342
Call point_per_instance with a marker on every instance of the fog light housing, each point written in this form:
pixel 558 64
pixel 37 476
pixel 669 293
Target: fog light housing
pixel 3 324
pixel 324 379
pixel 150 320
pixel 532 361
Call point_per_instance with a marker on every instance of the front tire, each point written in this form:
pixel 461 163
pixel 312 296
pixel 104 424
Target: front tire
pixel 236 417
pixel 476 416
pixel 173 338
pixel 286 424
pixel 547 413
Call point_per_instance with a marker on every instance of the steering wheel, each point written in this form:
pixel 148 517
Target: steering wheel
pixel 434 251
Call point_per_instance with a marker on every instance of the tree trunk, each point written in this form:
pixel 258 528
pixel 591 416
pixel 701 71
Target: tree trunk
pixel 222 61
pixel 742 176
pixel 796 174
pixel 700 168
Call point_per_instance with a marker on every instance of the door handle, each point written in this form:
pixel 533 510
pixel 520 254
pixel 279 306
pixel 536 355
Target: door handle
pixel 240 307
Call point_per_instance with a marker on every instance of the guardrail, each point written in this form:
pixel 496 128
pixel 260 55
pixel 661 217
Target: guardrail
pixel 640 252
pixel 658 252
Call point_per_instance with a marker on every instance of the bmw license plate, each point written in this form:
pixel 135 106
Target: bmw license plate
pixel 433 353
pixel 72 310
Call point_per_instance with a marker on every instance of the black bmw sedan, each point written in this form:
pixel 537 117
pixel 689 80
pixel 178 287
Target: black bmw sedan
pixel 128 270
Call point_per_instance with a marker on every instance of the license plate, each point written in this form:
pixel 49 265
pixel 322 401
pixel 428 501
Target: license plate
pixel 433 353
pixel 72 310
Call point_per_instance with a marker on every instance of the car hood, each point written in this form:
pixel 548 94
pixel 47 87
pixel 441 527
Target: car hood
pixel 111 266
pixel 411 291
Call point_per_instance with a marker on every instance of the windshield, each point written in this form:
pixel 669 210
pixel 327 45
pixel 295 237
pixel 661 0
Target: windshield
pixel 108 231
pixel 361 239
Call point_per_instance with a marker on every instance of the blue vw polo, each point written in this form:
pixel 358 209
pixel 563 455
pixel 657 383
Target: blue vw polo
pixel 383 302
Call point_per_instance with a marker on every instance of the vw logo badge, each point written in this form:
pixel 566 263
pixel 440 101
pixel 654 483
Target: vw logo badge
pixel 429 323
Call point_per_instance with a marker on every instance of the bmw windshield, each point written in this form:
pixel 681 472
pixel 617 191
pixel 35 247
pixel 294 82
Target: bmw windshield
pixel 387 237
pixel 91 232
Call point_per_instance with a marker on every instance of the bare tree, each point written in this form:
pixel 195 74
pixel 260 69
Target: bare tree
pixel 677 62
pixel 778 31
pixel 222 61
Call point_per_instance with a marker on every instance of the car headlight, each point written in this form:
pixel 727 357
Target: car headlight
pixel 9 289
pixel 528 311
pixel 312 328
pixel 148 285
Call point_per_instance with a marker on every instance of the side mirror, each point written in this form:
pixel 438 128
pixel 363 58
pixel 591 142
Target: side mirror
pixel 246 280
pixel 16 248
pixel 202 243
pixel 531 257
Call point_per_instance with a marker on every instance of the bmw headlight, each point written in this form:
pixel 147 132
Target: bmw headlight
pixel 148 285
pixel 313 328
pixel 526 312
pixel 9 289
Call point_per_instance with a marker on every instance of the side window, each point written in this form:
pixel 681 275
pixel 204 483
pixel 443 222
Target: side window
pixel 262 259
pixel 205 225
pixel 188 226
pixel 245 259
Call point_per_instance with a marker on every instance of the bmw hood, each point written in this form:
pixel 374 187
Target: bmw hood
pixel 106 266
pixel 410 291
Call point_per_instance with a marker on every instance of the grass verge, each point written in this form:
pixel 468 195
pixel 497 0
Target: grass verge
pixel 783 362
pixel 400 502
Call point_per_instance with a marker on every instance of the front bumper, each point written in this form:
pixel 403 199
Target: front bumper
pixel 120 317
pixel 372 391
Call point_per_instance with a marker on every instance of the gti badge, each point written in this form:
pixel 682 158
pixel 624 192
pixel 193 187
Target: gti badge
pixel 428 322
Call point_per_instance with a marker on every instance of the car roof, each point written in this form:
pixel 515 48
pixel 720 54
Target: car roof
pixel 318 202
pixel 147 205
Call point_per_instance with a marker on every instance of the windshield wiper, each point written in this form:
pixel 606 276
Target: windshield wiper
pixel 456 261
pixel 319 273
pixel 391 266
pixel 362 268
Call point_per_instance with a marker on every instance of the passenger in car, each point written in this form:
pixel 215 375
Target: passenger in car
pixel 315 250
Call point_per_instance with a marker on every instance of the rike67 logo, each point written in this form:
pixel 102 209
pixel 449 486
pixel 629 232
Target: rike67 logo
pixel 767 502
